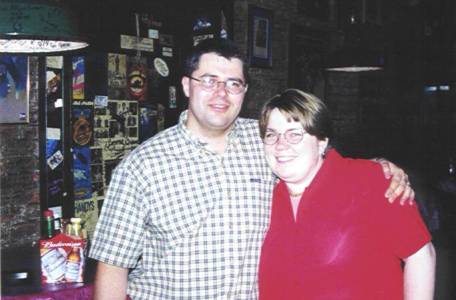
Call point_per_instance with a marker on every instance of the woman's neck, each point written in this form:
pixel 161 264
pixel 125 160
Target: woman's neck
pixel 296 188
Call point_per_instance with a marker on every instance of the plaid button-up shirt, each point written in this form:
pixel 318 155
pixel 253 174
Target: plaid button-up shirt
pixel 188 221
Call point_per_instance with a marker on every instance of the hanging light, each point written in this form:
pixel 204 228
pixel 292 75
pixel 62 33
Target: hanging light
pixel 360 47
pixel 355 58
pixel 38 26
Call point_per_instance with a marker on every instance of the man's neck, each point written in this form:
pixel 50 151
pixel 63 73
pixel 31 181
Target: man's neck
pixel 218 144
pixel 216 139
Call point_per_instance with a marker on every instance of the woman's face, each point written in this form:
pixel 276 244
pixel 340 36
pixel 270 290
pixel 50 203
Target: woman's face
pixel 294 163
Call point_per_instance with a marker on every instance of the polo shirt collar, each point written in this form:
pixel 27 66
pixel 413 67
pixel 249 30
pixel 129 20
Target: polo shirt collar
pixel 234 136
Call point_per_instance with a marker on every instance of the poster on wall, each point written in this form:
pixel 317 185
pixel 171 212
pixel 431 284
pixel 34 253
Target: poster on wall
pixel 109 166
pixel 116 128
pixel 82 181
pixel 137 78
pixel 148 122
pixel 78 78
pixel 13 89
pixel 172 97
pixel 54 134
pixel 82 125
pixel 54 160
pixel 160 117
pixel 117 76
pixel 54 97
pixel 259 30
pixel 97 173
pixel 136 43
pixel 87 210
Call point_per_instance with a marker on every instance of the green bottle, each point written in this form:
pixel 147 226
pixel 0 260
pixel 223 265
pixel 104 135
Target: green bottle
pixel 48 224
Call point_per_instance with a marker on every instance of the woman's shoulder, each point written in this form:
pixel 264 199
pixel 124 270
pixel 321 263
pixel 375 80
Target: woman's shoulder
pixel 364 175
pixel 363 168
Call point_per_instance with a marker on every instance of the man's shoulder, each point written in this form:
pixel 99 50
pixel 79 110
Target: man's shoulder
pixel 156 146
pixel 249 127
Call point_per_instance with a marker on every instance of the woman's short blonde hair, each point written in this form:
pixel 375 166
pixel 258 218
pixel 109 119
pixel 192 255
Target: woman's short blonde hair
pixel 301 107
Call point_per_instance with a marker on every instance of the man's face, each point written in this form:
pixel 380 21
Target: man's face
pixel 214 111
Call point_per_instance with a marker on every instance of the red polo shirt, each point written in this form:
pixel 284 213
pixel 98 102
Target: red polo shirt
pixel 347 242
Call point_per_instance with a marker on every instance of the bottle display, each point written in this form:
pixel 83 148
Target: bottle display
pixel 48 216
pixel 74 229
pixel 57 223
pixel 73 265
pixel 62 250
pixel 53 265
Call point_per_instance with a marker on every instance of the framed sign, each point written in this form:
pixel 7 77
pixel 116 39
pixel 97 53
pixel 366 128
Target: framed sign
pixel 14 89
pixel 260 37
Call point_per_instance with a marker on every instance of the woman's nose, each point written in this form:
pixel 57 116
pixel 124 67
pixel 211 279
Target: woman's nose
pixel 281 141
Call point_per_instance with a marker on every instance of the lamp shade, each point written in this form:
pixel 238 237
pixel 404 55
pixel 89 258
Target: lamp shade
pixel 362 50
pixel 355 58
pixel 28 26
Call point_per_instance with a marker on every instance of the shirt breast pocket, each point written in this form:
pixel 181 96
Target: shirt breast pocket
pixel 257 201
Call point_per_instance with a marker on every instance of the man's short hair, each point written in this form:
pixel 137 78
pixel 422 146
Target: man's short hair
pixel 220 46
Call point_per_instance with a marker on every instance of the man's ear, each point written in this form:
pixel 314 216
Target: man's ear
pixel 186 85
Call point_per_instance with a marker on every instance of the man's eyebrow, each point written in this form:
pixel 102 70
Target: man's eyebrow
pixel 208 75
pixel 215 76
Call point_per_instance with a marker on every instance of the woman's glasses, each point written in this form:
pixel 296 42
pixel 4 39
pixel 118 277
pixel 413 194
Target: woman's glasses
pixel 292 136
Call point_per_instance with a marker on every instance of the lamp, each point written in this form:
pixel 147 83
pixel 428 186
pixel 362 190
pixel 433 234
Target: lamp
pixel 38 26
pixel 355 58
pixel 360 49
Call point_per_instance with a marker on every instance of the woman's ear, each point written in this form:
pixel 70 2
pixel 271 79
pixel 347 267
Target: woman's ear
pixel 322 146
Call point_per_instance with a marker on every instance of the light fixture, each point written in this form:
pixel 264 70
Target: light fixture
pixel 360 47
pixel 37 26
pixel 355 58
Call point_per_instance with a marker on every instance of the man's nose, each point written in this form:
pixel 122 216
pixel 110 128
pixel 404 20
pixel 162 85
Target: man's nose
pixel 221 88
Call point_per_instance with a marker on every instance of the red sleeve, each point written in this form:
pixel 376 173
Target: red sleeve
pixel 400 226
pixel 408 231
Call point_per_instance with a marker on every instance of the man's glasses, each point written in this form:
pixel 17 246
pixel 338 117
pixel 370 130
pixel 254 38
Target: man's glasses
pixel 292 136
pixel 232 86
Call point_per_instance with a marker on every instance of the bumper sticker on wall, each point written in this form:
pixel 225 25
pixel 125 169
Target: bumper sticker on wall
pixel 161 67
pixel 117 76
pixel 137 78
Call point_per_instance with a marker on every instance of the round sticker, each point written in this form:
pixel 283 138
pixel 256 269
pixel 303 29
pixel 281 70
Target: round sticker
pixel 161 67
pixel 137 82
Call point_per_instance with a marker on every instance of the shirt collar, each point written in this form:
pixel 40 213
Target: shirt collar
pixel 234 136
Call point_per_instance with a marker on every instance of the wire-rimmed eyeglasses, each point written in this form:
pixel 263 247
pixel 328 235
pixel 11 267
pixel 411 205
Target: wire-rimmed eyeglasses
pixel 232 86
pixel 292 136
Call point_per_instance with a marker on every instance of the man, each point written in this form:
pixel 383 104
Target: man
pixel 186 212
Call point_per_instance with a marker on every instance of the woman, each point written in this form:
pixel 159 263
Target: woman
pixel 332 235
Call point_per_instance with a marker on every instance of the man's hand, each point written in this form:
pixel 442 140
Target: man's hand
pixel 399 186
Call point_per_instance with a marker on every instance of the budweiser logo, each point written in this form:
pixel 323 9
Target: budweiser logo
pixel 61 244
